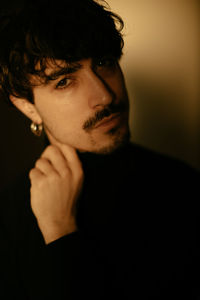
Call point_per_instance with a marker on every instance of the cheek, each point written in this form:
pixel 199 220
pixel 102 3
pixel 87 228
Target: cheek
pixel 59 112
pixel 48 105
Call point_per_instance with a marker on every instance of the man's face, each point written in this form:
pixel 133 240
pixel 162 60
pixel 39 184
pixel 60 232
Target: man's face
pixel 74 105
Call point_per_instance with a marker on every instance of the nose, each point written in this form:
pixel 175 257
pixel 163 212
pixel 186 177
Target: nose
pixel 100 93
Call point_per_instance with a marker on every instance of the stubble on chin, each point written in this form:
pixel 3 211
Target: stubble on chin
pixel 118 140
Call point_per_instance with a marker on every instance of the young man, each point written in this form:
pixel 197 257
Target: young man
pixel 98 216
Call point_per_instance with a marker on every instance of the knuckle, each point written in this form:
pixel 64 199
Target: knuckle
pixel 49 147
pixel 65 172
pixel 53 176
pixel 37 163
pixel 30 173
pixel 33 175
pixel 80 170
pixel 80 166
pixel 40 161
pixel 80 175
pixel 53 149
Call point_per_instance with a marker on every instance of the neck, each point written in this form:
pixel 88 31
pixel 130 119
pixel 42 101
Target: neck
pixel 95 158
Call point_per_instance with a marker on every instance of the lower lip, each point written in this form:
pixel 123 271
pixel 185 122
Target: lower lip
pixel 111 123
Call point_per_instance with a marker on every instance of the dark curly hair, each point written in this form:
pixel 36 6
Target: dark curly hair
pixel 41 30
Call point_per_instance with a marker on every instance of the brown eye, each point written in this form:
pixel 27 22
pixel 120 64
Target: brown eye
pixel 63 83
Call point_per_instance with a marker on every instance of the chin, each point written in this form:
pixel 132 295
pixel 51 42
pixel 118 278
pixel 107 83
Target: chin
pixel 115 142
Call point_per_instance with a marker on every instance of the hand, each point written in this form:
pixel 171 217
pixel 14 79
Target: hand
pixel 56 183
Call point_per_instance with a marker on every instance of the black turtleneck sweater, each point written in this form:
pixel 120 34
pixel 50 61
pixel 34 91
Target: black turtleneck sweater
pixel 137 237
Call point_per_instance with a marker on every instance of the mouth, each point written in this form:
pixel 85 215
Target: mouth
pixel 110 121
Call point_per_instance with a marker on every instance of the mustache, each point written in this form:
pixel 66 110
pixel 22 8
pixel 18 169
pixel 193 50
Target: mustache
pixel 106 112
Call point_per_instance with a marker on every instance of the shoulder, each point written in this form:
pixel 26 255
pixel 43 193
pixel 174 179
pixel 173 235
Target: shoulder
pixel 153 162
pixel 159 182
pixel 161 194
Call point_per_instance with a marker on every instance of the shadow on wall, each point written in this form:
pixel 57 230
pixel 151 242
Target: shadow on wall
pixel 157 121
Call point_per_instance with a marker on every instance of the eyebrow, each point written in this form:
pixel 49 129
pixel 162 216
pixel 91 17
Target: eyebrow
pixel 62 71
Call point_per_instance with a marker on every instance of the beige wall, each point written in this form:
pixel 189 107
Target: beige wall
pixel 161 65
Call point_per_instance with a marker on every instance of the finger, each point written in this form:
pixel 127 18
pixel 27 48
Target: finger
pixel 57 159
pixel 70 154
pixel 45 166
pixel 35 174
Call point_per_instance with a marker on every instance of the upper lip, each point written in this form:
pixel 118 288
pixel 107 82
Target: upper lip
pixel 107 119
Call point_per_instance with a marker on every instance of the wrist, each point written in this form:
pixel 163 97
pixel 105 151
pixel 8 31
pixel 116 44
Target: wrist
pixel 52 230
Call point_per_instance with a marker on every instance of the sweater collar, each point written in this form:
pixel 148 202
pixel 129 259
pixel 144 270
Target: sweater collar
pixel 93 160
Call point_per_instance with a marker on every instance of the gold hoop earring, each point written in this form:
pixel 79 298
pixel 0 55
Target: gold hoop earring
pixel 36 129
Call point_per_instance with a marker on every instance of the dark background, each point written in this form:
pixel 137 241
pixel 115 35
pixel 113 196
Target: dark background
pixel 19 147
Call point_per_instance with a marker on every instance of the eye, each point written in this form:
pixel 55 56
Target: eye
pixel 64 83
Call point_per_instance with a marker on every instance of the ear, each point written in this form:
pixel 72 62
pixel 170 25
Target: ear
pixel 27 108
